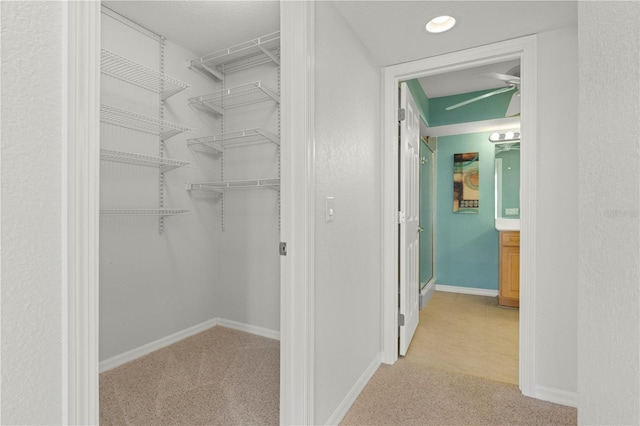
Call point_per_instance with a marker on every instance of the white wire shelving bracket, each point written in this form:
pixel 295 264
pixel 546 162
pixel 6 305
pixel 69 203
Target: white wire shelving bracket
pixel 140 122
pixel 222 186
pixel 217 143
pixel 142 212
pixel 165 164
pixel 131 72
pixel 254 52
pixel 234 97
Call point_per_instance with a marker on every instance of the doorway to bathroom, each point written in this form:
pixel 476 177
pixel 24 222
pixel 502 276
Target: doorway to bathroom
pixel 515 50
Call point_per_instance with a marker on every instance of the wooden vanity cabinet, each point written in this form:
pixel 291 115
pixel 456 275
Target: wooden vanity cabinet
pixel 509 289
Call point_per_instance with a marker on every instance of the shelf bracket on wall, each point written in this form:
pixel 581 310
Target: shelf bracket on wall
pixel 161 137
pixel 267 52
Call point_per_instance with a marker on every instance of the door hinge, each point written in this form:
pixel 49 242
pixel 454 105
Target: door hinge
pixel 400 320
pixel 283 249
pixel 401 218
pixel 402 114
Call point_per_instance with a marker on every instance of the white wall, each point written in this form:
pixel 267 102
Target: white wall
pixel 609 248
pixel 249 282
pixel 557 209
pixel 31 213
pixel 347 251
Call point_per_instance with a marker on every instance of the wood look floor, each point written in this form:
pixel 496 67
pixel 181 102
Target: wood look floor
pixel 468 334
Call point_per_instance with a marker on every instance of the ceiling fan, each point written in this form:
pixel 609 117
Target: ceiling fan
pixel 511 79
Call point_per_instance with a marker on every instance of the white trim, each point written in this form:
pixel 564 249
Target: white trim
pixel 525 49
pixel 64 228
pixel 466 290
pixel 473 127
pixel 80 288
pixel 343 408
pixel 297 189
pixel 557 396
pixel 528 212
pixel 389 199
pixel 123 358
pixel 297 194
pixel 248 328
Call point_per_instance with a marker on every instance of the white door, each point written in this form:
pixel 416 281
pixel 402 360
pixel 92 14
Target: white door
pixel 409 218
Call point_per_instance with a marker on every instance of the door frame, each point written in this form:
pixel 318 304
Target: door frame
pixel 80 214
pixel 525 49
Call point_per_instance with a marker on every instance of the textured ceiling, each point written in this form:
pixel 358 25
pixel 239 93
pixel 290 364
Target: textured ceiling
pixel 393 31
pixel 203 26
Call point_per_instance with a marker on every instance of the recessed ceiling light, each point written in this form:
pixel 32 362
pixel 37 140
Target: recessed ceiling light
pixel 441 24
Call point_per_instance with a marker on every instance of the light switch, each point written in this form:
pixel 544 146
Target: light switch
pixel 330 210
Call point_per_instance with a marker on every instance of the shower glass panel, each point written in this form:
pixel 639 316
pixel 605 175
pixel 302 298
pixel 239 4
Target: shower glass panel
pixel 427 203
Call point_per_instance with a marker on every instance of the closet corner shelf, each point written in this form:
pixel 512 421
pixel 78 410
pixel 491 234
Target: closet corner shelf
pixel 143 123
pixel 165 164
pixel 222 186
pixel 131 72
pixel 234 97
pixel 254 52
pixel 217 143
pixel 142 212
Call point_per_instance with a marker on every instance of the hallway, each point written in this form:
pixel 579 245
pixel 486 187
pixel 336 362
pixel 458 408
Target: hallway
pixel 461 368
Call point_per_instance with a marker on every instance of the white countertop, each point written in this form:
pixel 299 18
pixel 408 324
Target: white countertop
pixel 504 224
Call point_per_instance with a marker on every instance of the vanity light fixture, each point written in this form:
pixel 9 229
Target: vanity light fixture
pixel 504 137
pixel 441 24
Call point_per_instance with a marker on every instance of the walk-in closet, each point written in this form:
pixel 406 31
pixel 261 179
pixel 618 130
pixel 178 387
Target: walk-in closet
pixel 189 212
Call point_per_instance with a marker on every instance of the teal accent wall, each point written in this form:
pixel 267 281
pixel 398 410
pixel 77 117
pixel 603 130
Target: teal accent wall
pixel 434 113
pixel 421 99
pixel 467 244
pixel 485 109
pixel 427 200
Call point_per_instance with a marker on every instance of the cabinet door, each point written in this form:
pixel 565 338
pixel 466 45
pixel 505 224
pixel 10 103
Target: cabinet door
pixel 510 272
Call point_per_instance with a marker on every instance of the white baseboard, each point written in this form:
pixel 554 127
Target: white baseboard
pixel 352 395
pixel 467 290
pixel 123 358
pixel 128 356
pixel 253 329
pixel 557 396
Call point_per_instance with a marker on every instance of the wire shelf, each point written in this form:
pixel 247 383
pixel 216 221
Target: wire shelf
pixel 140 122
pixel 217 143
pixel 142 212
pixel 222 186
pixel 139 75
pixel 165 164
pixel 245 55
pixel 234 97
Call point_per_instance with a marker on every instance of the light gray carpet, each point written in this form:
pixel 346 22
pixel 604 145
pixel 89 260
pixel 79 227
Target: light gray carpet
pixel 217 377
pixel 412 393
pixel 227 377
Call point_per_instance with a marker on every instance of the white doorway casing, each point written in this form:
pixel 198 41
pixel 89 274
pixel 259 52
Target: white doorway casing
pixel 525 49
pixel 80 395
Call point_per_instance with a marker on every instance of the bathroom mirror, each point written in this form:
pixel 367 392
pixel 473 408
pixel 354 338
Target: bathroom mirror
pixel 507 180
